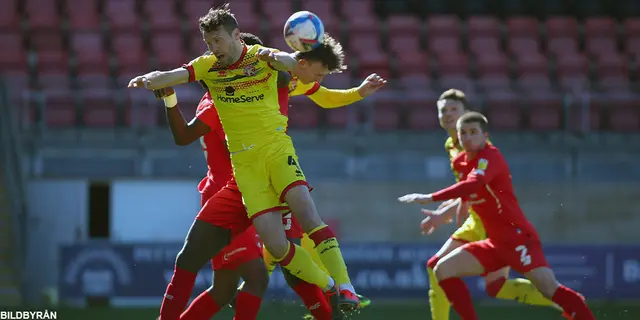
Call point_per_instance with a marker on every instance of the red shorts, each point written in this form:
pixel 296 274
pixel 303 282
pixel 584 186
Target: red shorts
pixel 522 256
pixel 291 226
pixel 226 210
pixel 243 248
pixel 208 188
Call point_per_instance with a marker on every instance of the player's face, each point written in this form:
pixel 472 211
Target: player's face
pixel 448 112
pixel 310 71
pixel 226 46
pixel 471 136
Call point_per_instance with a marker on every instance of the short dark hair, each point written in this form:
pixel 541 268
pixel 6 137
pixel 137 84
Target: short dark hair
pixel 475 117
pixel 329 53
pixel 455 95
pixel 250 39
pixel 218 17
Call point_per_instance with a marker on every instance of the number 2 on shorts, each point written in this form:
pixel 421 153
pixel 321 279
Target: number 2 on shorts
pixel 525 258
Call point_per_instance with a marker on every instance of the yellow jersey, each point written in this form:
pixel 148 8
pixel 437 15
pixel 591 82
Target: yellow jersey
pixel 325 98
pixel 246 97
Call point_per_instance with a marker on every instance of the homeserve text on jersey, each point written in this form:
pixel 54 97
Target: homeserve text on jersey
pixel 28 315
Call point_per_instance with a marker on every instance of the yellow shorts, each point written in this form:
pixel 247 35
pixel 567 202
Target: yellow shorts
pixel 471 230
pixel 265 174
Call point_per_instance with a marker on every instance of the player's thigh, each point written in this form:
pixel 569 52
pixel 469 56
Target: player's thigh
pixel 524 255
pixel 458 263
pixel 496 275
pixel 479 257
pixel 544 280
pixel 225 285
pixel 255 276
pixel 244 247
pixel 203 242
pixel 471 230
pixel 254 183
pixel 269 228
pixel 448 246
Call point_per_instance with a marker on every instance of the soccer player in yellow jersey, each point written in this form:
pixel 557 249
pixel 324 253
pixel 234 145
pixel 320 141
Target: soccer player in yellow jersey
pixel 452 104
pixel 243 84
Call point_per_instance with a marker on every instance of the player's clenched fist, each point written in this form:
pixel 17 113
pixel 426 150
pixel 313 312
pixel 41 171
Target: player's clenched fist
pixel 416 198
pixel 139 82
pixel 266 54
pixel 371 84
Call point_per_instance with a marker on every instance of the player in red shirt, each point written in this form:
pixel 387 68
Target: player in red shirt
pixel 485 184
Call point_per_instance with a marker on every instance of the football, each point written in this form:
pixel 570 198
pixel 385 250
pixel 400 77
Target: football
pixel 303 31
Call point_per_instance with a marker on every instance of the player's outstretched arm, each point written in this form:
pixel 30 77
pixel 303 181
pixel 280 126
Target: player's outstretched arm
pixel 183 133
pixel 160 79
pixel 279 60
pixel 335 98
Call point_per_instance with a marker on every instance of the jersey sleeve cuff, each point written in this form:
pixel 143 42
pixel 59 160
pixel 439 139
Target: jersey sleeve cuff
pixel 192 73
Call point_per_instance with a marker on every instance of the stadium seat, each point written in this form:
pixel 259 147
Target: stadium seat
pixel 364 44
pixel 359 25
pixel 321 8
pixel 597 47
pixel 415 82
pixel 443 26
pixel 277 41
pixel 276 11
pixel 444 46
pixel 611 64
pixel 584 120
pixel 42 14
pixel 461 82
pixel 534 82
pixel 99 109
pixel 161 15
pixel 9 18
pixel 168 50
pixel 484 46
pixel 493 82
pixel 83 14
pixel 404 25
pixel 338 118
pixel 623 115
pixel 129 52
pixel 614 83
pixel 303 113
pixel 122 15
pixel 531 63
pixel 141 109
pixel 94 81
pixel 52 61
pixel 483 26
pixel 401 44
pixel 197 46
pixel 355 8
pixel 54 81
pixel 338 81
pixel 492 64
pixel 503 108
pixel 373 62
pixel 422 114
pixel 574 64
pixel 632 34
pixel 544 110
pixel 561 27
pixel 89 52
pixel 193 10
pixel 59 109
pixel 522 27
pixel 13 57
pixel 562 45
pixel 600 27
pixel 453 64
pixel 386 110
pixel 574 82
pixel 518 46
pixel 412 63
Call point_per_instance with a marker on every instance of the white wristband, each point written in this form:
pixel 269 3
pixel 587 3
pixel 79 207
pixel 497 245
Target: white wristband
pixel 170 101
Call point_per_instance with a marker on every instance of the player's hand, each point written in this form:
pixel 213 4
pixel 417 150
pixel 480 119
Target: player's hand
pixel 266 54
pixel 163 93
pixel 371 84
pixel 416 198
pixel 139 82
pixel 432 221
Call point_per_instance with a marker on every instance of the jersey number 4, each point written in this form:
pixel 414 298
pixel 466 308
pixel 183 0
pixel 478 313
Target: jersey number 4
pixel 525 258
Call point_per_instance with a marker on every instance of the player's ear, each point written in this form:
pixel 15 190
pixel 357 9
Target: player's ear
pixel 235 34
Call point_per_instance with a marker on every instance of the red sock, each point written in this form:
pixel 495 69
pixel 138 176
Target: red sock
pixel 177 295
pixel 460 298
pixel 247 306
pixel 313 297
pixel 572 304
pixel 202 308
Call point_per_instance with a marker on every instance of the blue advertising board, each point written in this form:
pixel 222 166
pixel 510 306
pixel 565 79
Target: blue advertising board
pixel 378 270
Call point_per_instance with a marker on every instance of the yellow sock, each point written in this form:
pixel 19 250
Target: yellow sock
pixel 440 306
pixel 302 266
pixel 307 244
pixel 269 260
pixel 331 257
pixel 523 291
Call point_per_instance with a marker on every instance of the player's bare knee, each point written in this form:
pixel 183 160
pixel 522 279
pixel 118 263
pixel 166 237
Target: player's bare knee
pixel 256 277
pixel 444 270
pixel 269 228
pixel 544 280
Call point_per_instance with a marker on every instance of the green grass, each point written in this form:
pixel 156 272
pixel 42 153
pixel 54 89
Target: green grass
pixel 377 311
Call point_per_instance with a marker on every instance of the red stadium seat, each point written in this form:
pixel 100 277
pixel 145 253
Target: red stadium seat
pixel 365 43
pixel 533 82
pixel 574 82
pixel 161 15
pixel 623 114
pixel 338 81
pixel 494 64
pixel 401 44
pixel 422 115
pixel 338 118
pixel 532 63
pixel 523 45
pixel 415 82
pixel 412 62
pixel 493 82
pixel 197 46
pixel 363 25
pixel 612 64
pixel 574 64
pixel 544 111
pixel 83 14
pixel 600 27
pixel 601 46
pixel 277 42
pixel 484 46
pixel 404 25
pixel 461 82
pixel 522 27
pixel 13 57
pixel 141 109
pixel 483 26
pixel 42 14
pixel 503 108
pixel 321 8
pixel 89 52
pixel 168 50
pixel 54 82
pixel 444 46
pixel 614 83
pixel 59 109
pixel 633 47
pixel 561 27
pixel 129 51
pixel 354 8
pixel 122 15
pixel 9 18
pixel 632 27
pixel 443 26
pixel 560 46
pixel 584 120
pixel 94 81
pixel 276 11
pixel 194 9
pixel 386 111
pixel 455 64
pixel 99 109
pixel 303 113
pixel 373 62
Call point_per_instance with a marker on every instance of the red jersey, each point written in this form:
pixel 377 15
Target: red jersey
pixel 485 182
pixel 220 171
